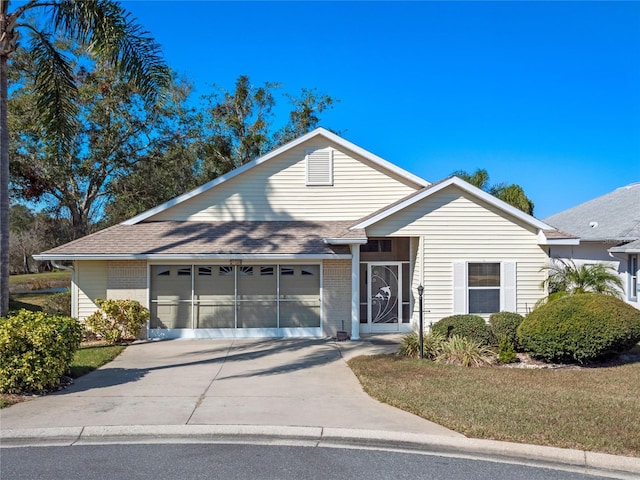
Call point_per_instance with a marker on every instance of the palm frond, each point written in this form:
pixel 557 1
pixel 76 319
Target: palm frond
pixel 111 33
pixel 55 90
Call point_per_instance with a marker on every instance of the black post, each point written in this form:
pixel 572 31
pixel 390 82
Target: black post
pixel 421 334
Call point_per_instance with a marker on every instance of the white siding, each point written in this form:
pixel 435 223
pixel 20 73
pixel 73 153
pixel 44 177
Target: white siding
pixel 277 190
pixel 91 281
pixel 455 227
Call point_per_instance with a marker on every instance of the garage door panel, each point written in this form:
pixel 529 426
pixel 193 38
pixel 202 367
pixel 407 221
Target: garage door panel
pixel 299 314
pixel 216 316
pixel 171 315
pixel 257 315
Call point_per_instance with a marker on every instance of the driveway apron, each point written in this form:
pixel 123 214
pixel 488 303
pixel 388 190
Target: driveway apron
pixel 286 382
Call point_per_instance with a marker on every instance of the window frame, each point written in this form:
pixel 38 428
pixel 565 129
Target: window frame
pixel 633 278
pixel 493 288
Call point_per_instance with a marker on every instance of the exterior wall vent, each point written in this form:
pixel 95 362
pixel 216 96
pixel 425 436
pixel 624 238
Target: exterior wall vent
pixel 320 167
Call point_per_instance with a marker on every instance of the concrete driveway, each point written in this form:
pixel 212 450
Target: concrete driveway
pixel 285 382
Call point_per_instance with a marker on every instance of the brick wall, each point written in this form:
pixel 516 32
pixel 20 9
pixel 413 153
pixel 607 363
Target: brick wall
pixel 127 280
pixel 336 296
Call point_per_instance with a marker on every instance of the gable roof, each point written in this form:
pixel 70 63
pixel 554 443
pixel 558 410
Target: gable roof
pixel 318 132
pixel 211 240
pixel 613 216
pixel 415 197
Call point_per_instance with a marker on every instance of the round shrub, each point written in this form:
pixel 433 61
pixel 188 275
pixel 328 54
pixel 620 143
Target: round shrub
pixel 505 324
pixel 582 328
pixel 36 350
pixel 469 326
pixel 117 320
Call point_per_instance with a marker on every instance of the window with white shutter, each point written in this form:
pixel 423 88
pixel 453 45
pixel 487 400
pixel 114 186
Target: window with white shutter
pixel 320 167
pixel 482 288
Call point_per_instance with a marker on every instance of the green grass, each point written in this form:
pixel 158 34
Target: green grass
pixel 90 357
pixel 28 301
pixel 595 409
pixel 31 278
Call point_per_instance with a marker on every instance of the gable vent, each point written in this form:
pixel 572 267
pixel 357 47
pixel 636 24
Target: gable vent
pixel 320 167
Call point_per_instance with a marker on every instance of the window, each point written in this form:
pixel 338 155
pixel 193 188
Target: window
pixel 246 271
pixel 383 245
pixel 184 272
pixel 225 271
pixel 266 271
pixel 484 287
pixel 204 271
pixel 633 277
pixel 286 271
pixel 163 272
pixel 320 167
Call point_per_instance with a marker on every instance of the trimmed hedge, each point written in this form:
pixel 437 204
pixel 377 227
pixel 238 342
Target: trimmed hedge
pixel 36 349
pixel 58 304
pixel 505 324
pixel 581 327
pixel 469 326
pixel 117 320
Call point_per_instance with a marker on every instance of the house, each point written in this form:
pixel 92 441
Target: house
pixel 609 231
pixel 316 237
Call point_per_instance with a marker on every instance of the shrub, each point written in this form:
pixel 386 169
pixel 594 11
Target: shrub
pixel 505 324
pixel 36 350
pixel 118 320
pixel 431 345
pixel 506 351
pixel 580 327
pixel 466 352
pixel 58 304
pixel 468 326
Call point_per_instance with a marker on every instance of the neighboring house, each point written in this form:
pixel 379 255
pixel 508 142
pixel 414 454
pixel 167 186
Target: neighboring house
pixel 609 231
pixel 316 237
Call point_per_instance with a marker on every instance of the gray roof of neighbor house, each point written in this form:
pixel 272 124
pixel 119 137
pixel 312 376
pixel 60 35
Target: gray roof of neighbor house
pixel 153 239
pixel 611 217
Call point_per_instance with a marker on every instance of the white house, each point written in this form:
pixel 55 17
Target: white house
pixel 316 237
pixel 609 231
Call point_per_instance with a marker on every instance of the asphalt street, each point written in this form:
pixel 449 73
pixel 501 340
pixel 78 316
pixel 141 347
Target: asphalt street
pixel 264 462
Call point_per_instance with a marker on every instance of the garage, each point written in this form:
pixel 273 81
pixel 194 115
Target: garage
pixel 200 301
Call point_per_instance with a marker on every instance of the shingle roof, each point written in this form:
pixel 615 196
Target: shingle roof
pixel 202 238
pixel 614 216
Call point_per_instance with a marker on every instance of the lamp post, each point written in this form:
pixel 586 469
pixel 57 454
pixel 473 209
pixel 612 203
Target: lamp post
pixel 421 333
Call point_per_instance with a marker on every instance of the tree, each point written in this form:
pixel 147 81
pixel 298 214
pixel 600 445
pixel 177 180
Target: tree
pixel 27 233
pixel 567 278
pixel 103 28
pixel 239 124
pixel 115 130
pixel 512 194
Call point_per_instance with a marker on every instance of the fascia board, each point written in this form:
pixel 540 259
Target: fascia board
pixel 346 241
pixel 203 256
pixel 488 198
pixel 247 166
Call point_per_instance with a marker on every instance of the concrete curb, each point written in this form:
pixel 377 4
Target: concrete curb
pixel 319 437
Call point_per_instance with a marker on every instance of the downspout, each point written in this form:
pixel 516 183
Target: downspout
pixel 59 266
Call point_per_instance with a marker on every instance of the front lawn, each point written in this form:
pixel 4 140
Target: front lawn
pixel 595 409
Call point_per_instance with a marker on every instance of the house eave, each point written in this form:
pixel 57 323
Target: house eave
pixel 346 241
pixel 199 257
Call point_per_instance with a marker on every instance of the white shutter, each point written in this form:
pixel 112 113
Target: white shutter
pixel 320 167
pixel 508 293
pixel 459 288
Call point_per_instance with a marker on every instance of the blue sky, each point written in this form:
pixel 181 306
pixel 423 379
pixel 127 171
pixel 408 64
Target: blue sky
pixel 543 94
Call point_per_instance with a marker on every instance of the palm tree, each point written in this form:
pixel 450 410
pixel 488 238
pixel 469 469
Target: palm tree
pixel 567 278
pixel 512 194
pixel 106 30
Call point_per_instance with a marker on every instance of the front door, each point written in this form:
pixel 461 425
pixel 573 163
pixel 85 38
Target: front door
pixel 384 296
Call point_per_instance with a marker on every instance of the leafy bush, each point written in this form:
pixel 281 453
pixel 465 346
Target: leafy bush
pixel 58 304
pixel 468 326
pixel 505 324
pixel 466 352
pixel 506 351
pixel 36 350
pixel 580 327
pixel 117 320
pixel 431 345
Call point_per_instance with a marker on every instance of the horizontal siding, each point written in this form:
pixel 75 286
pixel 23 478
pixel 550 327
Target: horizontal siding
pixel 91 280
pixel 455 227
pixel 276 190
